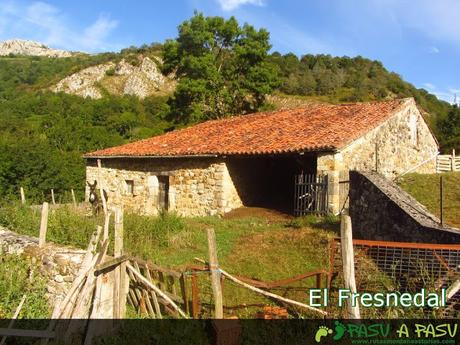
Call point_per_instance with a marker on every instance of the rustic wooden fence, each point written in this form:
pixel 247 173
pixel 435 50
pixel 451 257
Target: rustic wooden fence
pixel 446 163
pixel 172 283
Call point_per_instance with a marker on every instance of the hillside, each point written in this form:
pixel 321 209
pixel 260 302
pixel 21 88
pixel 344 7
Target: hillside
pixel 43 131
pixel 31 48
pixel 142 78
pixel 425 188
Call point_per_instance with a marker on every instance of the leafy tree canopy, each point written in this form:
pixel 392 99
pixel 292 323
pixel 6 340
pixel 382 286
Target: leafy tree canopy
pixel 222 68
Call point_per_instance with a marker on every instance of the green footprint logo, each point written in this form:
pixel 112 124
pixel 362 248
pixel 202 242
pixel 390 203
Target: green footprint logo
pixel 322 331
pixel 339 330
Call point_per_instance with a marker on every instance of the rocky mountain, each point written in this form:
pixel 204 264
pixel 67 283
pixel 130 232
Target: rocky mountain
pixel 141 77
pixel 26 47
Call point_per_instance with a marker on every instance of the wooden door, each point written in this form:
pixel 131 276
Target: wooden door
pixel 163 191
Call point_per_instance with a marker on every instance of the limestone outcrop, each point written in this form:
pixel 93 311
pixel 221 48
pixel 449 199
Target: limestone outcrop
pixel 121 78
pixel 32 48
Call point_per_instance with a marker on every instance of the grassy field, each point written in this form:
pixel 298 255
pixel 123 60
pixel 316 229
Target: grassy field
pixel 425 188
pixel 262 247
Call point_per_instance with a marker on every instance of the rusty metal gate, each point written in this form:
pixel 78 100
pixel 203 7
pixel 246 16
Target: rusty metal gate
pixel 310 194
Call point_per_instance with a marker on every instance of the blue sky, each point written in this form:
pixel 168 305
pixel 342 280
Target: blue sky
pixel 419 39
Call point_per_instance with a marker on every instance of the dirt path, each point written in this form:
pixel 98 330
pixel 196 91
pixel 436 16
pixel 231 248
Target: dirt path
pixel 272 216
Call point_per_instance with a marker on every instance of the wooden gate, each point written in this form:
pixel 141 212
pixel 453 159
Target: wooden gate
pixel 310 194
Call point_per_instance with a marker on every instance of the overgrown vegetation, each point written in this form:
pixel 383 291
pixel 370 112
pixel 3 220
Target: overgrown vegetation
pixel 425 188
pixel 18 277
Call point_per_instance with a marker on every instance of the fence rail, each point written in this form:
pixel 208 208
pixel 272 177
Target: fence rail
pixel 446 163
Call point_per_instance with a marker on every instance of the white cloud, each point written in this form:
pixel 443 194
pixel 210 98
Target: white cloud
pixel 445 95
pixel 434 50
pixel 435 19
pixel 45 23
pixel 229 5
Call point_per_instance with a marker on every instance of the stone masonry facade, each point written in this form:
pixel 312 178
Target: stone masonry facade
pixel 197 186
pixel 403 143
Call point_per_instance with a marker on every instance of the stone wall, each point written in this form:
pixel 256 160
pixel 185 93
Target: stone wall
pixel 197 186
pixel 380 210
pixel 58 264
pixel 403 143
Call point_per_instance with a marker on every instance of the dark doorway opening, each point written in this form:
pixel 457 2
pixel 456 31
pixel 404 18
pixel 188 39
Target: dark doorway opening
pixel 268 181
pixel 163 192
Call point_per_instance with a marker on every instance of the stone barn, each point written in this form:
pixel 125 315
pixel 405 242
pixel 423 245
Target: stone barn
pixel 254 160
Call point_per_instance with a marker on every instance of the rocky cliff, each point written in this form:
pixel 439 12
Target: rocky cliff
pixel 26 47
pixel 141 79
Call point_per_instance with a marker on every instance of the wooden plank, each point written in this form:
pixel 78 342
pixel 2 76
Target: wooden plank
pixel 52 197
pixel 133 291
pixel 155 267
pixel 106 226
pixel 124 289
pixel 120 291
pixel 110 263
pixel 23 196
pixel 74 199
pixel 99 182
pixel 138 292
pixel 83 305
pixel 156 289
pixel 183 289
pixel 43 225
pixel 15 316
pixel 348 261
pixel 215 275
pixel 195 296
pixel 148 303
pixel 118 225
pixel 153 294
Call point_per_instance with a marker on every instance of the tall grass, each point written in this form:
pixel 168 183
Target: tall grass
pixel 18 276
pixel 65 226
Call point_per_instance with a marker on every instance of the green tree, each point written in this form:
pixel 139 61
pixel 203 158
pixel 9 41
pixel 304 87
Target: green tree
pixel 450 128
pixel 222 68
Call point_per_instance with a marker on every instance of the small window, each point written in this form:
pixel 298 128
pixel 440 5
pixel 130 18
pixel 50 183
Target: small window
pixel 129 187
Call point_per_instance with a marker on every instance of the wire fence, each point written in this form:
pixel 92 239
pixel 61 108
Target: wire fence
pixel 404 267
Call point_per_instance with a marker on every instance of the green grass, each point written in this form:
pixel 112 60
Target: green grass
pixel 255 247
pixel 18 276
pixel 425 188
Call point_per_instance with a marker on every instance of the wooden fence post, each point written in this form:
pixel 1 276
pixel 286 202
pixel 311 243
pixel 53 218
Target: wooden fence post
pixel 52 196
pixel 348 261
pixel 43 225
pixel 215 275
pixel 23 196
pixel 453 160
pixel 101 190
pixel 74 200
pixel 121 285
pixel 440 200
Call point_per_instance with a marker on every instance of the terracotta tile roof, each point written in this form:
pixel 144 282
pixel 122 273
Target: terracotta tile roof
pixel 317 127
